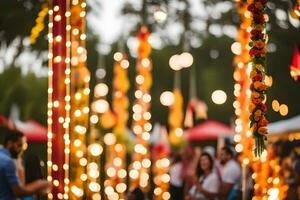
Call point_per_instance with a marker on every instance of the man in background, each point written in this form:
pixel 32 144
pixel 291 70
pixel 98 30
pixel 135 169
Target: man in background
pixel 10 185
pixel 230 172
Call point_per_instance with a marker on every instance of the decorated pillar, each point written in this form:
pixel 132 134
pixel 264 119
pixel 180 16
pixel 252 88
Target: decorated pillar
pixel 58 100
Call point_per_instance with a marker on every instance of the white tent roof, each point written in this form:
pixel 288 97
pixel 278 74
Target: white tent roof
pixel 284 126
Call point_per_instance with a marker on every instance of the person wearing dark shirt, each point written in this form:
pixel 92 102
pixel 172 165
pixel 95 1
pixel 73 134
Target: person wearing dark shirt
pixel 10 185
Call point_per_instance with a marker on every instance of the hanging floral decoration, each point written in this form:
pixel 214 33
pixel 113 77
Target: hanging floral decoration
pixel 39 26
pixel 175 120
pixel 295 65
pixel 258 51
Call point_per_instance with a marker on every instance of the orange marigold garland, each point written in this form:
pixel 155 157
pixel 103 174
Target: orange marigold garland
pixel 258 87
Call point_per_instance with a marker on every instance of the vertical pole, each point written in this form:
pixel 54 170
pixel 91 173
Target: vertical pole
pixel 58 65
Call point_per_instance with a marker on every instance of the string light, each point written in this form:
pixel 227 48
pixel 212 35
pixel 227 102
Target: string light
pixel 80 99
pixel 50 103
pixel 140 177
pixel 116 153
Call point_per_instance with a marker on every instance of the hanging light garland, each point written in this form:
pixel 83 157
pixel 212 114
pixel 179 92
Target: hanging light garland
pixel 269 182
pixel 160 157
pixel 95 148
pixel 115 185
pixel 59 100
pixel 258 51
pixel 242 86
pixel 79 98
pixel 39 24
pixel 50 97
pixel 140 166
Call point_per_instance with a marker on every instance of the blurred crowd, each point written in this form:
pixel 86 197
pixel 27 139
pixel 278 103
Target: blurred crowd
pixel 204 174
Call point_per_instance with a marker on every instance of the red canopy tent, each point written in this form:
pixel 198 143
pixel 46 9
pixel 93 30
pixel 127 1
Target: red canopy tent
pixel 33 131
pixel 209 130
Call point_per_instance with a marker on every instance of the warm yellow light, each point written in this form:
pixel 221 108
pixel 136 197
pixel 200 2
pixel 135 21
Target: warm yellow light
pixel 167 98
pixel 83 161
pixel 122 173
pixel 94 119
pixel 174 62
pixel 133 174
pixel 140 79
pixel 111 172
pixel 283 110
pixel 178 132
pixel 160 16
pixel 146 62
pixel 157 191
pixel 146 163
pixel 275 105
pixel 101 90
pixel 165 178
pixel 94 187
pixel 186 59
pixel 94 173
pixel 95 149
pixel 121 187
pixel 147 98
pixel 109 190
pixel 117 162
pixel 236 48
pixel 100 106
pixel 83 177
pixel 96 196
pixel 80 129
pixel 109 139
pixel 138 94
pixel 77 191
pixel 219 97
pixel 239 148
pixel 166 196
pixel 124 64
pixel 165 162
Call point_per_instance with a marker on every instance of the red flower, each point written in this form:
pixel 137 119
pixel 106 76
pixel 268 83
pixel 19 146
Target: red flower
pixel 264 107
pixel 258 77
pixel 256 101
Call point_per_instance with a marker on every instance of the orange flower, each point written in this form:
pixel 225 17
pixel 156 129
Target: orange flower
pixel 263 122
pixel 259 44
pixel 263 130
pixel 254 95
pixel 258 113
pixel 253 74
pixel 262 87
pixel 257 84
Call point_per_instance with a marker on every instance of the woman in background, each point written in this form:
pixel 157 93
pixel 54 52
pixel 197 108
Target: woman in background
pixel 208 184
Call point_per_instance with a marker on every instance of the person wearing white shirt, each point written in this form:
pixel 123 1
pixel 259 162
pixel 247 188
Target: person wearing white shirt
pixel 230 175
pixel 208 184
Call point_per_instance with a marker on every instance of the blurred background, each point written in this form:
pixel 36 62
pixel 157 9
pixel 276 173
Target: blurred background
pixel 212 30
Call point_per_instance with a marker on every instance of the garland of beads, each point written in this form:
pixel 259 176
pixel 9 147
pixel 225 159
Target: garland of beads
pixel 258 87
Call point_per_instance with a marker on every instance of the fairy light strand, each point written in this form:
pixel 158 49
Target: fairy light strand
pixel 140 166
